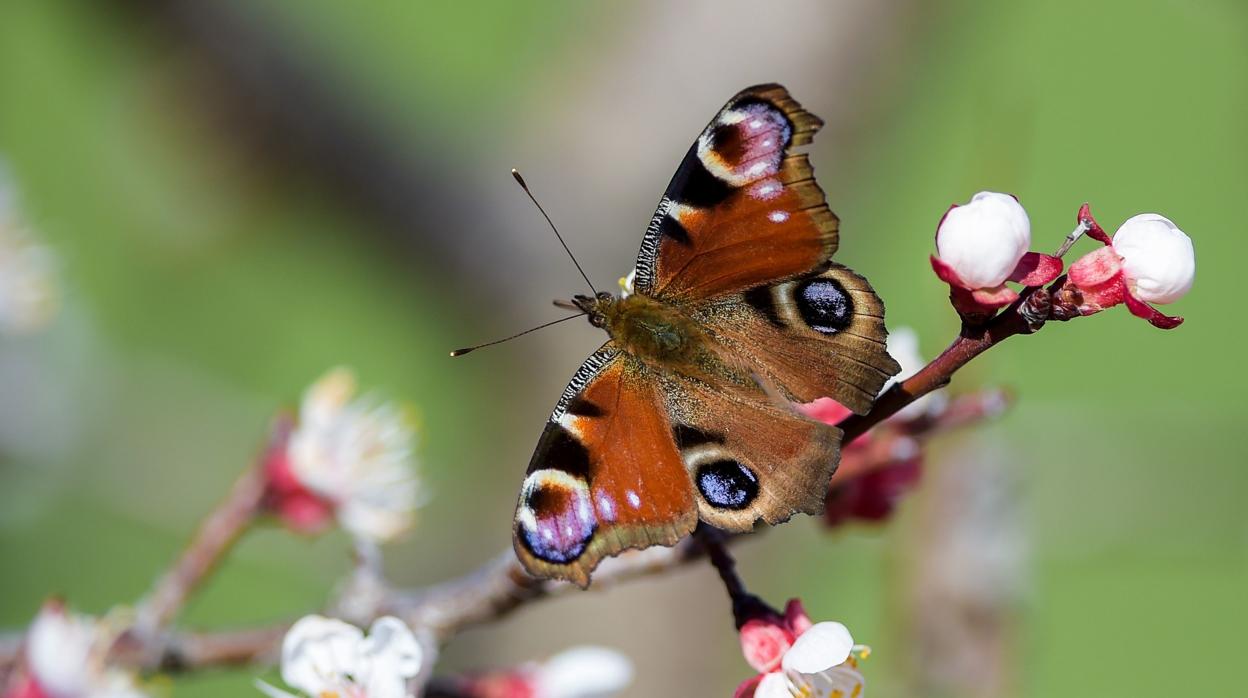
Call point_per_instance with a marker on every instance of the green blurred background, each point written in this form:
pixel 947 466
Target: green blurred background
pixel 243 194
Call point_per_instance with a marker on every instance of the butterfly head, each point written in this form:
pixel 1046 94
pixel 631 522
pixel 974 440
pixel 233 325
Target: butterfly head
pixel 597 307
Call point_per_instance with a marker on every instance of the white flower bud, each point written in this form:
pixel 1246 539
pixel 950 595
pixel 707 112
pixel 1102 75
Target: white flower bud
pixel 984 239
pixel 1157 258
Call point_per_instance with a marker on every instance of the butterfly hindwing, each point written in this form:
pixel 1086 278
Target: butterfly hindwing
pixel 742 209
pixel 821 335
pixel 749 459
pixel 606 475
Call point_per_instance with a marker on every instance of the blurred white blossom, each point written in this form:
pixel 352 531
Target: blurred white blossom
pixel 797 657
pixel 326 657
pixel 28 286
pixel 355 458
pixel 583 672
pixel 64 657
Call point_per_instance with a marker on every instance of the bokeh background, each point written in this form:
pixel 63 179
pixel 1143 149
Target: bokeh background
pixel 243 194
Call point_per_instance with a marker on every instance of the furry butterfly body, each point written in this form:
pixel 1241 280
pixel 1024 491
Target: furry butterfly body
pixel 737 310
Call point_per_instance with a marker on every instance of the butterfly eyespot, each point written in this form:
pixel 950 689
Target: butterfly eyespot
pixel 824 305
pixel 727 484
pixel 555 520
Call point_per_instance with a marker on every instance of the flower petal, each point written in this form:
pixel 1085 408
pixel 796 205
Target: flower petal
pixel 825 410
pixel 1155 318
pixel 820 648
pixel 842 681
pixel 1095 268
pixel 318 653
pixel 795 615
pixel 1036 269
pixel 764 642
pixel 994 297
pixel 584 672
pixel 390 655
pixel 984 239
pixel 1157 258
pixel 773 685
pixel 946 273
pixel 1094 229
pixel 748 687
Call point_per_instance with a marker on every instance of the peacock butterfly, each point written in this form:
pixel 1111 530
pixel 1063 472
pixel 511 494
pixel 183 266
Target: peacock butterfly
pixel 736 311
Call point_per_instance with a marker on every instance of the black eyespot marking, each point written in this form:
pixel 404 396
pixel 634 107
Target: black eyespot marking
pixel 581 407
pixel 560 450
pixel 824 305
pixel 694 185
pixel 762 300
pixel 670 227
pixel 687 436
pixel 727 484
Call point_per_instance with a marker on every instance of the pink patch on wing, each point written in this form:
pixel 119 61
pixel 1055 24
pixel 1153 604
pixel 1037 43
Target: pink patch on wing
pixel 746 144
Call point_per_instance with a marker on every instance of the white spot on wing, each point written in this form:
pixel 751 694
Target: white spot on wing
pixel 571 423
pixel 778 216
pixel 606 507
pixel 633 500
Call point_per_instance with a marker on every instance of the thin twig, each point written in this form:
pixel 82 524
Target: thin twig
pixel 216 535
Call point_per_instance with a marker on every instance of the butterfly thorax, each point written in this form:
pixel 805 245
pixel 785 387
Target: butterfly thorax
pixel 655 332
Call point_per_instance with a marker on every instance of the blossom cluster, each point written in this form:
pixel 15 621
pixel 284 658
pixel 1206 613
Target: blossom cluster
pixel 982 244
pixel 794 656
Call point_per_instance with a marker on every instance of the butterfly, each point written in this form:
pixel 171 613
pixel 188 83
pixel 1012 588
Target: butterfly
pixel 736 312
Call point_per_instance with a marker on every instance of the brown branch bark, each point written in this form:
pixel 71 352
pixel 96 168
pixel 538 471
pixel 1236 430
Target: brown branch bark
pixel 216 535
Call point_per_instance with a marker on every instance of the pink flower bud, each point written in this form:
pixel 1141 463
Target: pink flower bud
pixel 1148 260
pixel 983 240
pixel 764 642
pixel 1157 258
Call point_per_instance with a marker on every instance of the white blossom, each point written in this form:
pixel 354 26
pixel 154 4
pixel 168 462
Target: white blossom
pixel 820 664
pixel 583 672
pixel 357 454
pixel 984 239
pixel 65 657
pixel 28 289
pixel 1157 258
pixel 327 657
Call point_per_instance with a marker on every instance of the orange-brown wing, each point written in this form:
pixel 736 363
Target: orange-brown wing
pixel 606 475
pixel 742 209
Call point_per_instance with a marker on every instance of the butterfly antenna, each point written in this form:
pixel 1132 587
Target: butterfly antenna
pixel 465 350
pixel 516 173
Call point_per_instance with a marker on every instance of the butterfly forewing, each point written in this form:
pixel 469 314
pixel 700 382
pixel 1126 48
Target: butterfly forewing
pixel 742 209
pixel 606 475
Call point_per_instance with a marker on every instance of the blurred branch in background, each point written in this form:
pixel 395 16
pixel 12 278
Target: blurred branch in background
pixel 965 578
pixel 274 98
